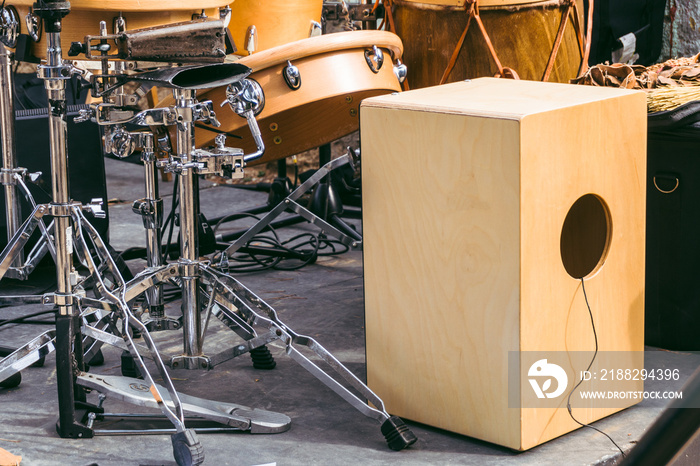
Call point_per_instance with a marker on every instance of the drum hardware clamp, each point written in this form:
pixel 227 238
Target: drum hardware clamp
pixel 342 11
pixel 9 26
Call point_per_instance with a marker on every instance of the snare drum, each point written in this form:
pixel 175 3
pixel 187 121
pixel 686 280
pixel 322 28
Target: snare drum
pixel 275 22
pixel 337 72
pixel 522 32
pixel 85 16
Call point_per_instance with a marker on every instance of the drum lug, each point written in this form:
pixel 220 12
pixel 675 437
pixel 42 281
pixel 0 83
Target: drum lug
pixel 292 76
pixel 34 25
pixel 315 29
pixel 400 70
pixel 374 58
pixel 225 15
pixel 251 39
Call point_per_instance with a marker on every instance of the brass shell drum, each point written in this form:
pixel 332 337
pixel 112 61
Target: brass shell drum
pixel 276 22
pixel 85 16
pixel 335 78
pixel 522 32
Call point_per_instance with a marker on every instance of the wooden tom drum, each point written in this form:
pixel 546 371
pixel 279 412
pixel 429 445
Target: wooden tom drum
pixel 335 77
pixel 276 22
pixel 85 16
pixel 522 32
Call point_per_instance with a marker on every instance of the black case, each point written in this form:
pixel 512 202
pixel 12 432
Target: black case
pixel 613 19
pixel 673 229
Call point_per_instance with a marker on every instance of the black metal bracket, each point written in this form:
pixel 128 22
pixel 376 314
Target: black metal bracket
pixel 333 11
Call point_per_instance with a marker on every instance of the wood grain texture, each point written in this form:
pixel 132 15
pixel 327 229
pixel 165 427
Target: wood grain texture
pixel 465 191
pixel 462 3
pixel 277 21
pixel 522 36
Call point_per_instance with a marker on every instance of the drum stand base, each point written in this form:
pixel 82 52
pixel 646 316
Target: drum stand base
pixel 229 416
pixel 347 237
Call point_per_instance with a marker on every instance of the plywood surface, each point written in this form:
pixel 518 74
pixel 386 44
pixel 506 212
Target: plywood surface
pixel 489 98
pixel 441 267
pixel 567 154
pixel 465 191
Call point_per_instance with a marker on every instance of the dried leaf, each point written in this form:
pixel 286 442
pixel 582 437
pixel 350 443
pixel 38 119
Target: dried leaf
pixel 597 76
pixel 692 73
pixel 666 80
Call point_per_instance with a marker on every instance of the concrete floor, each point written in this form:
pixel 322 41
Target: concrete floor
pixel 323 300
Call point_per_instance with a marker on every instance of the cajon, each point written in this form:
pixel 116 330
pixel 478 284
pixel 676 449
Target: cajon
pixel 485 205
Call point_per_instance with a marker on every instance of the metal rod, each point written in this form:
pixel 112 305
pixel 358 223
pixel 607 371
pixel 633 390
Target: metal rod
pixel 189 241
pixel 154 258
pixel 68 339
pixel 9 148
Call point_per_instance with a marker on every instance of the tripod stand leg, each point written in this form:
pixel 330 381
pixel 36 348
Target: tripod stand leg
pixel 14 247
pixel 289 203
pixel 7 139
pixel 27 355
pixel 247 306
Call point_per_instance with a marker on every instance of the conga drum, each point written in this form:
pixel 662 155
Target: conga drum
pixel 275 22
pixel 337 71
pixel 522 32
pixel 85 16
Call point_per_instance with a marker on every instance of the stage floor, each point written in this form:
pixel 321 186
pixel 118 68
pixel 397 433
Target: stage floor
pixel 323 300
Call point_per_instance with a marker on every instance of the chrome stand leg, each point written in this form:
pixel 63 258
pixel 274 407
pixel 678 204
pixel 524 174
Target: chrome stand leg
pixel 192 357
pixel 151 210
pixel 68 339
pixel 9 155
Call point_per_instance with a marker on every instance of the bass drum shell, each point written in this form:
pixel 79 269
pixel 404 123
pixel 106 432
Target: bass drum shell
pixel 522 34
pixel 335 78
pixel 85 16
pixel 277 22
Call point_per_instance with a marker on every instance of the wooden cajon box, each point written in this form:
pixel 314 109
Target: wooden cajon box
pixel 485 203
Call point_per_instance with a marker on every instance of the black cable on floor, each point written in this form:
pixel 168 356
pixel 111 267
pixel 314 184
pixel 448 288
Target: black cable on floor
pixel 23 319
pixel 568 400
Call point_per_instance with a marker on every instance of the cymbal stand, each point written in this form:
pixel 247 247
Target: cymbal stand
pixel 12 177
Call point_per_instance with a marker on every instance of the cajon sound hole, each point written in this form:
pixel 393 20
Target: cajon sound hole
pixel 585 236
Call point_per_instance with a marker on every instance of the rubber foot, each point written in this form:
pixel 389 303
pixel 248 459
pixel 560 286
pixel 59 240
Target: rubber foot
pixel 12 381
pixel 129 366
pixel 397 433
pixel 97 360
pixel 262 358
pixel 186 448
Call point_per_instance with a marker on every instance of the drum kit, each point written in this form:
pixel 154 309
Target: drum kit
pixel 256 88
pixel 287 89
